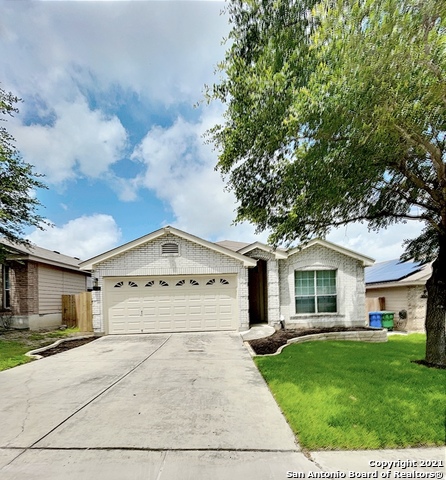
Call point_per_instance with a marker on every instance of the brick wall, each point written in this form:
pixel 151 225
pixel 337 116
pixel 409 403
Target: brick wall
pixel 192 259
pixel 416 313
pixel 24 288
pixel 350 288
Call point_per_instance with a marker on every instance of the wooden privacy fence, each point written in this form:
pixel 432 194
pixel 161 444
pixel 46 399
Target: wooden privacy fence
pixel 375 304
pixel 77 311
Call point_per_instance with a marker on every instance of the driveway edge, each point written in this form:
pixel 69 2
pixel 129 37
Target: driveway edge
pixel 34 354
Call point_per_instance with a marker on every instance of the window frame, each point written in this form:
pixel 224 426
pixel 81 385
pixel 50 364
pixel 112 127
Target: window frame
pixel 316 295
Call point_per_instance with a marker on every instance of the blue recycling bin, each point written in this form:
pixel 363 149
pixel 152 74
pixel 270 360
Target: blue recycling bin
pixel 375 319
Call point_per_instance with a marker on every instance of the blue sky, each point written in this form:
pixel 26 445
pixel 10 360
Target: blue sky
pixel 109 115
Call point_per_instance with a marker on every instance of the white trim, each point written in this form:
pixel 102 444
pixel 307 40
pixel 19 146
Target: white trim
pixel 298 315
pixel 366 261
pixel 89 264
pixel 412 283
pixel 278 253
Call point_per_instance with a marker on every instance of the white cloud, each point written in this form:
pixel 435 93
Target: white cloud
pixel 79 142
pixel 83 237
pixel 180 169
pixel 383 245
pixel 153 48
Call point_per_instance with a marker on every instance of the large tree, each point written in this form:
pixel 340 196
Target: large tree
pixel 336 113
pixel 18 182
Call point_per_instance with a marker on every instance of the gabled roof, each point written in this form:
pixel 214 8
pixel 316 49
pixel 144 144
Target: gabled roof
pixel 232 245
pixel 396 272
pixel 89 264
pixel 278 252
pixel 244 248
pixel 366 261
pixel 41 255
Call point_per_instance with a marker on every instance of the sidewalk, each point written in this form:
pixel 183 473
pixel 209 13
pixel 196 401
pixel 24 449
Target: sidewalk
pixel 405 462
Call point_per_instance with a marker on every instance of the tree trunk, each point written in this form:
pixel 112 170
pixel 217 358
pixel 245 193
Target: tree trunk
pixel 436 310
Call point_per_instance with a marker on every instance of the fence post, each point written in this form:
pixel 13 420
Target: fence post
pixel 84 314
pixel 68 310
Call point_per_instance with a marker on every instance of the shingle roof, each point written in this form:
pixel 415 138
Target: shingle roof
pixel 43 255
pixel 232 245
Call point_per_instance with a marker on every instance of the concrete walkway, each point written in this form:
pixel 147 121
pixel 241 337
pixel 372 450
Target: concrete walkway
pixel 181 406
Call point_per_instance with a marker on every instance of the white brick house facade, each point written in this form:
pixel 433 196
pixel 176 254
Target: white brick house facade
pixel 207 262
pixel 349 285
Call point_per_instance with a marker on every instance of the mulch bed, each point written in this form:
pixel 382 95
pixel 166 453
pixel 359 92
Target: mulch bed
pixel 271 344
pixel 68 345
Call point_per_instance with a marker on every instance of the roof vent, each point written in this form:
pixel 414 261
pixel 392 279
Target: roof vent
pixel 169 249
pixel 55 251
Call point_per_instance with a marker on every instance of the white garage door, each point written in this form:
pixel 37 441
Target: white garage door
pixel 171 304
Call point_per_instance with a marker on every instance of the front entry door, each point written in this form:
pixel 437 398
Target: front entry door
pixel 258 293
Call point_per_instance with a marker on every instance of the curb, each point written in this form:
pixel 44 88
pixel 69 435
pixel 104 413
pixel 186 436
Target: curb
pixel 378 336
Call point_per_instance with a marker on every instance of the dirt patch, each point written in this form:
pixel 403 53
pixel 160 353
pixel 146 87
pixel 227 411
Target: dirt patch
pixel 429 365
pixel 34 340
pixel 64 346
pixel 269 345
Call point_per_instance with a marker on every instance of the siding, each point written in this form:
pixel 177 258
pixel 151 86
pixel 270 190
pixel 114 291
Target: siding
pixel 396 298
pixel 404 298
pixel 53 283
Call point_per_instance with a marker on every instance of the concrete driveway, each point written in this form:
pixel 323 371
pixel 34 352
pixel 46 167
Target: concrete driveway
pixel 145 407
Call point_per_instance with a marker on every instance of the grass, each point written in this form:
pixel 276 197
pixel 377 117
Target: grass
pixel 352 395
pixel 14 344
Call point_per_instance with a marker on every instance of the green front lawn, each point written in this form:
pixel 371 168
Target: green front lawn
pixel 352 395
pixel 15 343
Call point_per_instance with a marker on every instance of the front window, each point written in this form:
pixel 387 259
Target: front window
pixel 315 291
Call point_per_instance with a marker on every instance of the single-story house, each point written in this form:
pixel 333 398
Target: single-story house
pixel 33 280
pixel 172 281
pixel 399 287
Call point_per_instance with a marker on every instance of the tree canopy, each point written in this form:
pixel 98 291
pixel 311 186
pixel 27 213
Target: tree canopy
pixel 335 113
pixel 18 181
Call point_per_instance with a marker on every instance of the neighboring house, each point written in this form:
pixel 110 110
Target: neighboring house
pixel 172 281
pixel 402 286
pixel 33 281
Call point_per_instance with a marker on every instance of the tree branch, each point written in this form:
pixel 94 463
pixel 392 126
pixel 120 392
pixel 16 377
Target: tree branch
pixel 395 188
pixel 417 181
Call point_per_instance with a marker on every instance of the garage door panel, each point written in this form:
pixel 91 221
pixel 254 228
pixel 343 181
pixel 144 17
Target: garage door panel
pixel 119 311
pixel 180 324
pixel 210 310
pixel 187 303
pixel 196 324
pixel 134 310
pixel 149 326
